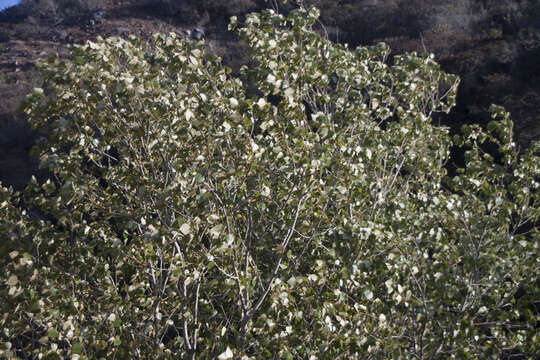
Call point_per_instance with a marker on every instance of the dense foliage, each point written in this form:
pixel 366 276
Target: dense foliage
pixel 311 218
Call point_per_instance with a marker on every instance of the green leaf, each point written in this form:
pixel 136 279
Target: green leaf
pixel 12 280
pixel 52 333
pixel 77 348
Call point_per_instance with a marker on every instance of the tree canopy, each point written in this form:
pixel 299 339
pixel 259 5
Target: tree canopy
pixel 309 217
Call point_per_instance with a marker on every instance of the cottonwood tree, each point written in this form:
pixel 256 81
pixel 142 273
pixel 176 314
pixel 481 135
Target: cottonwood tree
pixel 311 218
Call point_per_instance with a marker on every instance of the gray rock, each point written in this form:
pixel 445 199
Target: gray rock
pixel 198 34
pixel 99 15
pixel 63 35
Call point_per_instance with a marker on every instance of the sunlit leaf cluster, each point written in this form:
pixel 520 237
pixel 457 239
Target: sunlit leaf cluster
pixel 300 209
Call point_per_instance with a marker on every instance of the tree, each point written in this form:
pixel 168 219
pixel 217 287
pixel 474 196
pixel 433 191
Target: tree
pixel 311 218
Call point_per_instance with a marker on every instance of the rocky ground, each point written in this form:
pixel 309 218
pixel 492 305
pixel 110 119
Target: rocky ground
pixel 494 45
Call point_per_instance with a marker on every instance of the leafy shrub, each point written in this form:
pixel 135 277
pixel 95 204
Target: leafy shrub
pixel 184 218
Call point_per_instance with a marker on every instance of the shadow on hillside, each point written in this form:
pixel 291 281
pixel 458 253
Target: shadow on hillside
pixel 16 164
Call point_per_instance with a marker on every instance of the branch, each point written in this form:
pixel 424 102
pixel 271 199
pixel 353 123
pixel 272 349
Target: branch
pixel 284 244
